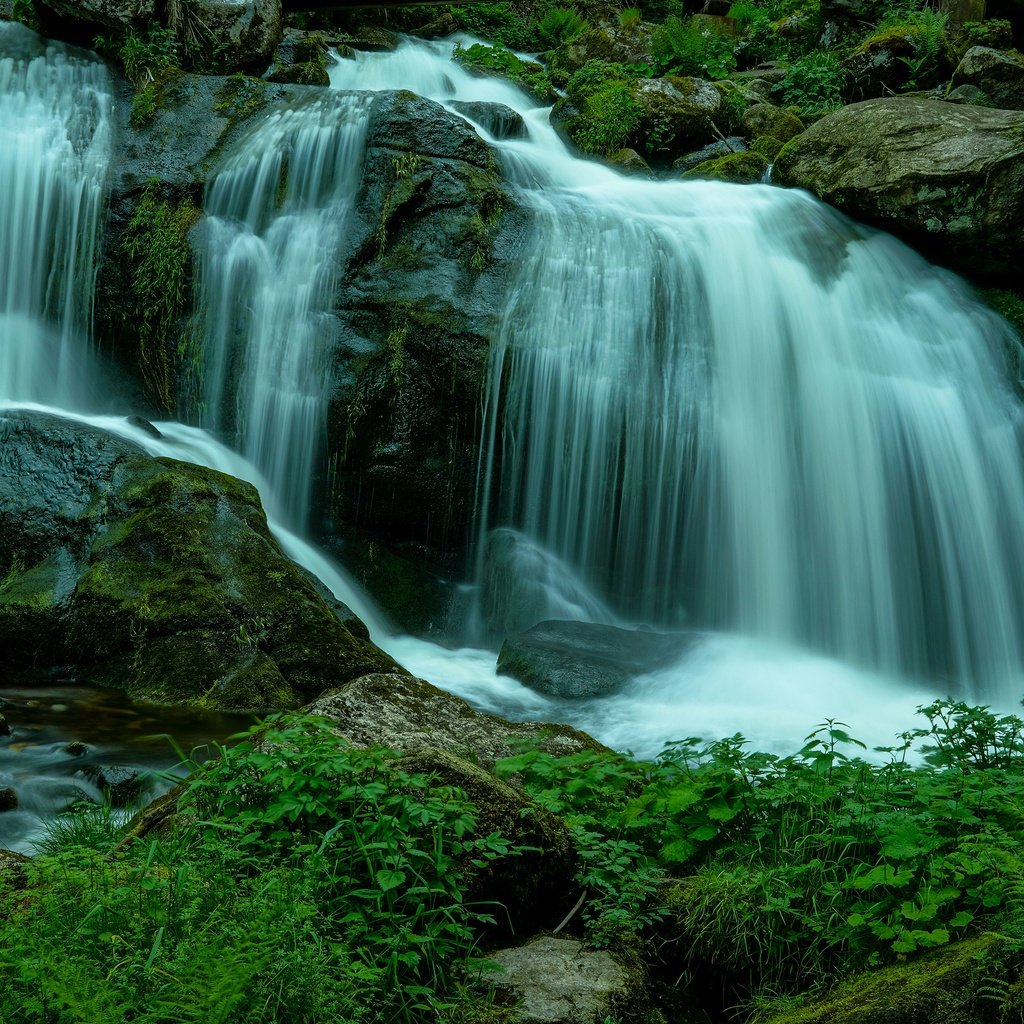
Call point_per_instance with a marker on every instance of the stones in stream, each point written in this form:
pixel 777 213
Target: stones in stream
pixel 8 799
pixel 120 784
pixel 586 659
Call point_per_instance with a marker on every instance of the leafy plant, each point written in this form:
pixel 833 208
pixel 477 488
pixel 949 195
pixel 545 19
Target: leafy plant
pixel 681 47
pixel 630 16
pixel 496 60
pixel 814 82
pixel 560 25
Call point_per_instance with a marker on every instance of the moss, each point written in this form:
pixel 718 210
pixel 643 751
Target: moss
pixel 766 146
pixel 942 986
pixel 502 63
pixel 240 96
pixel 156 244
pixel 741 168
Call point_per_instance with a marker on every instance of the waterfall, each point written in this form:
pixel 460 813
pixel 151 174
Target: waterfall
pixel 732 408
pixel 275 217
pixel 55 146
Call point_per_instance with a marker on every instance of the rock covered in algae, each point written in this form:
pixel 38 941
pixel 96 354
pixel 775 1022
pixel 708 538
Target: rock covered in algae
pixel 155 577
pixel 948 178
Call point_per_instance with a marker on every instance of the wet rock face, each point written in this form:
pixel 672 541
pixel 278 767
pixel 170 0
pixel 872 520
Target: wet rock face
pixel 246 31
pixel 948 178
pixel 155 577
pixel 427 263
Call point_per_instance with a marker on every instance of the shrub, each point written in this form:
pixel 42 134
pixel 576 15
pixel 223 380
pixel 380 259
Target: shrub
pixel 559 25
pixel 609 116
pixel 681 48
pixel 814 83
pixel 496 60
pixel 630 16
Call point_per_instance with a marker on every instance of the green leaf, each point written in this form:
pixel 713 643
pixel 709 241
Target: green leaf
pixel 389 879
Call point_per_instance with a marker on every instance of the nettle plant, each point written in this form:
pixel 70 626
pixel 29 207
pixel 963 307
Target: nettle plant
pixel 796 869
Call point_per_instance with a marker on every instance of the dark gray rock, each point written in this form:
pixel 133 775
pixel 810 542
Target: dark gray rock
pixel 5 729
pixel 76 748
pixel 8 800
pixel 733 144
pixel 499 121
pixel 586 659
pixel 242 33
pixel 948 178
pixel 121 785
pixel 155 577
pixel 1000 76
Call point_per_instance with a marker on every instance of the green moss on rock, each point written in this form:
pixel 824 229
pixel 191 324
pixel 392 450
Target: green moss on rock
pixel 741 168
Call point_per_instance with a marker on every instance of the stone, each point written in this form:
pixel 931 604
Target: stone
pixel 1000 76
pixel 109 14
pixel 726 147
pixel 616 44
pixel 967 94
pixel 739 168
pixel 121 785
pixel 629 161
pixel 14 869
pixel 946 985
pixel 947 178
pixel 586 659
pixel 766 119
pixel 677 114
pixel 5 729
pixel 499 121
pixel 156 577
pixel 407 714
pixel 562 981
pixel 243 34
pixel 371 38
pixel 8 799
pixel 525 893
pixel 76 748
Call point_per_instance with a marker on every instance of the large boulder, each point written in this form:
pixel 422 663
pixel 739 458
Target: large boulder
pixel 616 44
pixel 586 659
pixel 241 35
pixel 108 14
pixel 1000 76
pixel 407 715
pixel 958 983
pixel 155 577
pixel 431 247
pixel 947 178
pixel 676 114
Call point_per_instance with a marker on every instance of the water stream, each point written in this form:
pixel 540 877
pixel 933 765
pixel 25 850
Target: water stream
pixel 725 408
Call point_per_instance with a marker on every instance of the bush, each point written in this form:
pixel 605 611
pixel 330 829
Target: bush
pixel 609 116
pixel 559 25
pixel 681 48
pixel 496 60
pixel 814 83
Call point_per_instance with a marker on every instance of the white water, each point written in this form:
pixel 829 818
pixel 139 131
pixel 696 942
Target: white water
pixel 276 213
pixel 774 339
pixel 55 144
pixel 731 407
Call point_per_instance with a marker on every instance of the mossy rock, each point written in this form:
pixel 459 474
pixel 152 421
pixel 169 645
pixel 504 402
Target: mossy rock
pixel 497 62
pixel 767 119
pixel 767 146
pixel 156 577
pixel 741 168
pixel 947 985
pixel 525 893
pixel 616 44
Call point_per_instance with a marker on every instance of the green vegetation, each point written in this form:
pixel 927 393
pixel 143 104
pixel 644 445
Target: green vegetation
pixel 798 870
pixel 496 60
pixel 814 83
pixel 156 245
pixel 301 880
pixel 559 25
pixel 304 881
pixel 683 47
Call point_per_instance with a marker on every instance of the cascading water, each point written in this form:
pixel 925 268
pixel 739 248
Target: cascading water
pixel 734 409
pixel 55 146
pixel 276 214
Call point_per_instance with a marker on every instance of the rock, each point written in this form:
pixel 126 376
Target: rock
pixel 13 869
pixel 586 659
pixel 242 33
pixel 110 14
pixel 155 577
pixel 676 113
pixel 433 241
pixel 121 785
pixel 1000 76
pixel 629 161
pixel 949 984
pixel 371 38
pixel 739 168
pixel 76 748
pixel 767 146
pixel 947 178
pixel 994 33
pixel 5 729
pixel 890 60
pixel 733 144
pixel 562 981
pixel 158 818
pixel 407 714
pixel 532 890
pixel 496 119
pixel 967 94
pixel 616 44
pixel 766 119
pixel 498 62
pixel 8 800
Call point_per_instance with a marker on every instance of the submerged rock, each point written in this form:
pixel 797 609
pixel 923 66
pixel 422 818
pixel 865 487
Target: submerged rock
pixel 121 785
pixel 586 659
pixel 947 178
pixel 408 714
pixel 155 577
pixel 8 799
pixel 500 121
pixel 562 981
